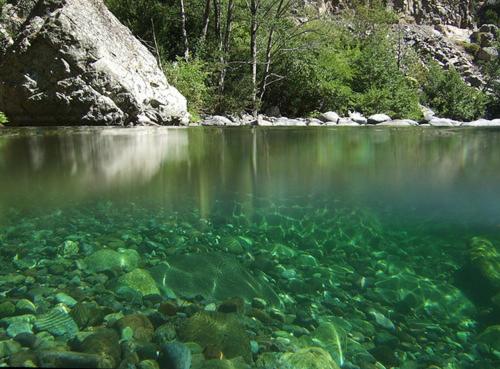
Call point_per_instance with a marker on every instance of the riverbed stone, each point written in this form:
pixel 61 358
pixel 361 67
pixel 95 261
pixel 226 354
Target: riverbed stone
pixel 111 260
pixel 215 276
pixel 307 358
pixel 217 333
pixel 139 281
pixel 9 347
pixel 142 329
pixel 175 355
pixel 74 63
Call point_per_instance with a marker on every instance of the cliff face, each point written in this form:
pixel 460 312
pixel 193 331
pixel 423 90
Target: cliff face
pixel 458 13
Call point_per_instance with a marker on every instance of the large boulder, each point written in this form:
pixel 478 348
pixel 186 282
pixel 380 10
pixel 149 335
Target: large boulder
pixel 72 62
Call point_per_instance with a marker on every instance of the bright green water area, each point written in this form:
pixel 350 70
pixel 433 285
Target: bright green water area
pixel 259 248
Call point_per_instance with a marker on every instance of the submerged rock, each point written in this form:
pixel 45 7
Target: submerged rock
pixel 138 281
pixel 69 359
pixel 57 322
pixel 175 355
pixel 107 259
pixel 74 63
pixel 307 358
pixel 214 276
pixel 220 335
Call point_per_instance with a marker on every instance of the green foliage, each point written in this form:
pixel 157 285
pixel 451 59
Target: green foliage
pixel 352 62
pixel 471 48
pixel 490 14
pixel 3 118
pixel 190 78
pixel 448 95
pixel 345 74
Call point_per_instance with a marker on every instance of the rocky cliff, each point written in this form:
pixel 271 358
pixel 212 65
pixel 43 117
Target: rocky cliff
pixel 72 62
pixel 458 13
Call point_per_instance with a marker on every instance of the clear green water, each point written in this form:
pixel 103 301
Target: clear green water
pixel 362 230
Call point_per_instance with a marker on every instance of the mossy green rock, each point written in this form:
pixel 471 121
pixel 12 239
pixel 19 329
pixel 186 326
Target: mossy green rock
pixel 139 281
pixel 7 308
pixel 217 332
pixel 236 363
pixel 491 337
pixel 486 258
pixel 307 358
pixel 215 276
pixel 107 259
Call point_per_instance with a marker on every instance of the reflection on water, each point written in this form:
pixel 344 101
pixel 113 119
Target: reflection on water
pixel 453 171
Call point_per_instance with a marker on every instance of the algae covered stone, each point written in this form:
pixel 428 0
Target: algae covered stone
pixel 491 337
pixel 215 276
pixel 486 258
pixel 307 358
pixel 106 259
pixel 217 332
pixel 138 281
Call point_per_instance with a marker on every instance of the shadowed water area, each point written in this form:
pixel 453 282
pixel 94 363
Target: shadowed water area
pixel 250 248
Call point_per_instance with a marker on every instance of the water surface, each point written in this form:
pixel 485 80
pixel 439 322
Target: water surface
pixel 384 213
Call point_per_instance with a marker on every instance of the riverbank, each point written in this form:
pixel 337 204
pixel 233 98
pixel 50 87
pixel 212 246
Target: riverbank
pixel 330 119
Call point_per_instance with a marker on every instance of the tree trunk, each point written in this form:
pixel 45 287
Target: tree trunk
pixel 225 45
pixel 206 20
pixel 184 30
pixel 254 6
pixel 218 17
pixel 267 64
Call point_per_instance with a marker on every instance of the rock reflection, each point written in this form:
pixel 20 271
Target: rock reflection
pixel 410 168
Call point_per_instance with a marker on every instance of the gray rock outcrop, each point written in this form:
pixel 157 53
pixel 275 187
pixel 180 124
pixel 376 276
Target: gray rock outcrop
pixel 71 62
pixel 452 12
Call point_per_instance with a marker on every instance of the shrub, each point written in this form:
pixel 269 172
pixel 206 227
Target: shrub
pixel 470 48
pixel 190 78
pixel 448 95
pixel 3 118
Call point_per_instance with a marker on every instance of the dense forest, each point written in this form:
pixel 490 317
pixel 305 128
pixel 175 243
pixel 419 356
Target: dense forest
pixel 231 56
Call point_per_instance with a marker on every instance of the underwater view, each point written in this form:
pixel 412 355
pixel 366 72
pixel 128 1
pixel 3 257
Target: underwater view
pixel 268 248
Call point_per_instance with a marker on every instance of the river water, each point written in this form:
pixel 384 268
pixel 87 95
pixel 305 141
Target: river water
pixel 353 240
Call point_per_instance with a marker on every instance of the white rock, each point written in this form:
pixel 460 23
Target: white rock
pixel 347 122
pixel 427 113
pixel 330 116
pixel 216 120
pixel 378 118
pixel 261 121
pixel 444 122
pixel 314 122
pixel 287 122
pixel 358 118
pixel 399 123
pixel 482 123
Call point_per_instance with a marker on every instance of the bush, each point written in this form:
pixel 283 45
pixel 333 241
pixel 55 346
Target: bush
pixel 3 118
pixel 190 78
pixel 470 48
pixel 448 95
